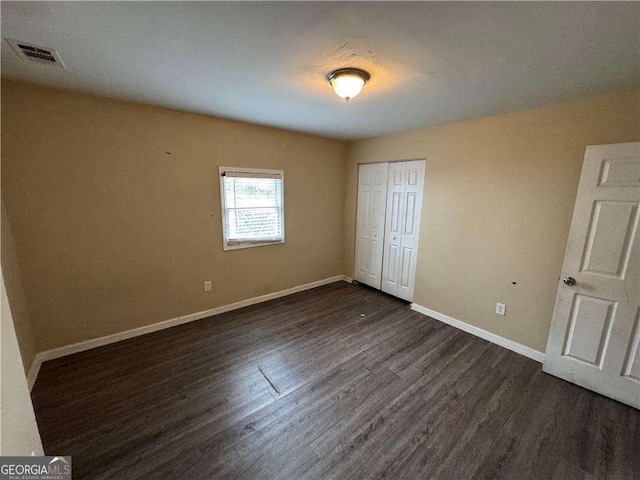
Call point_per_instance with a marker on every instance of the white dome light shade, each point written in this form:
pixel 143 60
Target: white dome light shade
pixel 347 86
pixel 348 82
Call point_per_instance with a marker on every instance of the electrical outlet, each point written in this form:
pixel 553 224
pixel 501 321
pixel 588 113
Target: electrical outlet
pixel 501 309
pixel 207 286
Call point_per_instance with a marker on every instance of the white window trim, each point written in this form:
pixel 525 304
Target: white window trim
pixel 237 246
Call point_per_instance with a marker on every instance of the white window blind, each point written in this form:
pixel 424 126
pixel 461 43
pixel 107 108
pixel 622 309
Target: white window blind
pixel 252 205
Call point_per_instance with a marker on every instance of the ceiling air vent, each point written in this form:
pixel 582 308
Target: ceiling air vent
pixel 35 53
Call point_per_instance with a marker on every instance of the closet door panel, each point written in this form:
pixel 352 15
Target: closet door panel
pixel 410 235
pixel 396 205
pixel 372 193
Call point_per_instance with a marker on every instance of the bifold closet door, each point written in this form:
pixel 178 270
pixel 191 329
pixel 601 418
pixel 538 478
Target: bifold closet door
pixel 402 228
pixel 372 195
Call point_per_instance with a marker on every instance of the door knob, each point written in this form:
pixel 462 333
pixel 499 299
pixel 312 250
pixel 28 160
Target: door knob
pixel 569 281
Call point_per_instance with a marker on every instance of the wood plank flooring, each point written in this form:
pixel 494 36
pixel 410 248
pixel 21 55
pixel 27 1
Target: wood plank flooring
pixel 336 382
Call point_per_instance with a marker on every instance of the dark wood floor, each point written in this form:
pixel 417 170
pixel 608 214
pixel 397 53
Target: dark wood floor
pixel 336 382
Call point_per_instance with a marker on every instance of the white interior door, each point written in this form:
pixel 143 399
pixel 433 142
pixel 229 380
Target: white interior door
pixel 372 194
pixel 594 336
pixel 393 227
pixel 402 229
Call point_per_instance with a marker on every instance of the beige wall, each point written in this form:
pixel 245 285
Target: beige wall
pixel 15 294
pixel 115 211
pixel 498 201
pixel 19 433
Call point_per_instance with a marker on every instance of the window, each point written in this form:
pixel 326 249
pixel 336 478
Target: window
pixel 252 207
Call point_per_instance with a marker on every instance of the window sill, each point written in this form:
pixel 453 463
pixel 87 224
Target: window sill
pixel 238 246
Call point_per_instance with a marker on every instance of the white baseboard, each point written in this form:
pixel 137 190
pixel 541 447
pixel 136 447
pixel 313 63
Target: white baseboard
pixel 479 332
pixel 33 371
pixel 347 279
pixel 136 332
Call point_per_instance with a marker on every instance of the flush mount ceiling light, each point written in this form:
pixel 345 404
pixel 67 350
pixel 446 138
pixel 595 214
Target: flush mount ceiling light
pixel 348 82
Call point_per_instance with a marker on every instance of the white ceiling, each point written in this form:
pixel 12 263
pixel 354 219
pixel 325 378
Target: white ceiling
pixel 266 62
